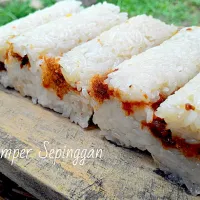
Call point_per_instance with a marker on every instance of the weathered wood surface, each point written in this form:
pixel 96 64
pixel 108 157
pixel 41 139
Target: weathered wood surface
pixel 119 174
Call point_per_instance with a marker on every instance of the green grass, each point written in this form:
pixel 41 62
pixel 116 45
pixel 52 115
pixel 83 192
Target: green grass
pixel 179 12
pixel 16 9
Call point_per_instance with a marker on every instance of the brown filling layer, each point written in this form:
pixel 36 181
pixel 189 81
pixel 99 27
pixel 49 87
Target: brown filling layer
pixel 24 61
pixel 2 67
pixel 189 29
pixel 159 130
pixel 130 107
pixel 100 91
pixel 189 107
pixel 52 77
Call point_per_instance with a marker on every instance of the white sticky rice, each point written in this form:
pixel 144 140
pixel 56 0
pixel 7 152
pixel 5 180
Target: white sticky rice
pixel 144 78
pixel 54 39
pixel 17 27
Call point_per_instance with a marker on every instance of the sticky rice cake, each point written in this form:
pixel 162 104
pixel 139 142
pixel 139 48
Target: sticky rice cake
pixel 177 128
pixel 127 98
pixel 28 53
pixel 15 28
pixel 96 56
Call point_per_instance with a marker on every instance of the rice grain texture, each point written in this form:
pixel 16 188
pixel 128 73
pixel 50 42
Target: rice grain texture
pixel 101 55
pixel 20 26
pixel 140 84
pixel 32 66
pixel 137 88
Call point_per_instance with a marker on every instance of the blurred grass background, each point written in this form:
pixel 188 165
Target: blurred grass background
pixel 179 12
pixel 14 9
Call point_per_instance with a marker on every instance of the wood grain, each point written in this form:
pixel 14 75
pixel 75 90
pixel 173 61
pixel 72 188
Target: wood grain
pixel 119 174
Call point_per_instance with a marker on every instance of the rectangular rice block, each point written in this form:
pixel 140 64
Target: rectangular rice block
pixel 32 54
pixel 179 119
pixel 181 111
pixel 126 112
pixel 17 27
pixel 112 47
pixel 106 51
pixel 99 56
pixel 127 98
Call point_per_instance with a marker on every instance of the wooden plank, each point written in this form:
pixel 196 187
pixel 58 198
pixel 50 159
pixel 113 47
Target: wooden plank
pixel 118 174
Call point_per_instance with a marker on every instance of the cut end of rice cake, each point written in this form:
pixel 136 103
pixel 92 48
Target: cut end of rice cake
pixel 52 77
pixel 181 110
